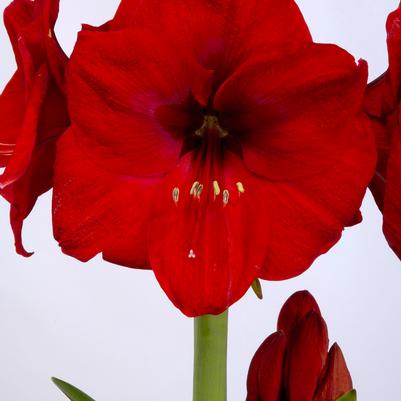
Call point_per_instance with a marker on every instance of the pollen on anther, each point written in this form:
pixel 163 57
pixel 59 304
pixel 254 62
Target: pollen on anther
pixel 216 188
pixel 240 187
pixel 176 195
pixel 191 254
pixel 194 188
pixel 198 191
pixel 226 197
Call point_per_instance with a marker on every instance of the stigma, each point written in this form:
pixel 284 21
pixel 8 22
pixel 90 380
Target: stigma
pixel 211 123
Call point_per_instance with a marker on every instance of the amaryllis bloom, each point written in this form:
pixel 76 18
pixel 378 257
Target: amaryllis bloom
pixel 33 111
pixel 293 364
pixel 213 142
pixel 382 103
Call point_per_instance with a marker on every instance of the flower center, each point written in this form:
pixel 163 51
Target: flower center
pixel 211 123
pixel 208 181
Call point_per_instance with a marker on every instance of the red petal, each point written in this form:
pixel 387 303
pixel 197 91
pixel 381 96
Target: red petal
pixel 12 102
pixel 27 137
pixel 294 310
pixel 119 83
pixel 271 369
pixel 379 100
pixel 23 193
pixel 33 109
pixel 16 225
pixel 308 216
pixel 18 142
pixel 264 382
pixel 29 168
pixel 30 25
pixel 204 255
pixel 293 109
pixel 393 27
pixel 392 199
pixel 382 103
pixel 221 33
pixel 307 351
pixel 336 379
pixel 95 211
pixel 383 147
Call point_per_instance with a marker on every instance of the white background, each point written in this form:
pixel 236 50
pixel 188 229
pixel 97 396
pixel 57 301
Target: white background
pixel 112 331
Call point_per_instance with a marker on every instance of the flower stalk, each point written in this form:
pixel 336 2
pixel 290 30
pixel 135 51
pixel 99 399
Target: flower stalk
pixel 210 358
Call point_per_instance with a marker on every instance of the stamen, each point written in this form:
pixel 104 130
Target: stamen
pixel 226 197
pixel 194 188
pixel 199 190
pixel 176 195
pixel 199 132
pixel 191 254
pixel 240 187
pixel 216 189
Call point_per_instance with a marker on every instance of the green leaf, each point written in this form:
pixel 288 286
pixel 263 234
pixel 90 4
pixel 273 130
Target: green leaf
pixel 70 391
pixel 351 396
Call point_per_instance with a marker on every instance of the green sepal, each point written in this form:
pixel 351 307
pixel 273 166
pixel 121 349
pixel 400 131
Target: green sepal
pixel 73 393
pixel 257 288
pixel 351 396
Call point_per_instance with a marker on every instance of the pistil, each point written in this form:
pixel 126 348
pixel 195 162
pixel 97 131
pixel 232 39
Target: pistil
pixel 210 122
pixel 207 166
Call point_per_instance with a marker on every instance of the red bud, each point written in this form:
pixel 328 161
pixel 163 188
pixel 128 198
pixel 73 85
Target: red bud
pixel 336 379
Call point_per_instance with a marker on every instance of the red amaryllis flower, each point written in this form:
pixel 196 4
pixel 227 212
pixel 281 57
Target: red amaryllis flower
pixel 382 103
pixel 293 364
pixel 33 109
pixel 213 142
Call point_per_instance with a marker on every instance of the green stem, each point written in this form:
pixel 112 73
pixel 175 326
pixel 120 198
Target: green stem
pixel 210 358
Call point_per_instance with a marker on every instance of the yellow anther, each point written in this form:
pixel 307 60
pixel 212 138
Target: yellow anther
pixel 199 190
pixel 49 34
pixel 216 189
pixel 176 195
pixel 240 187
pixel 226 197
pixel 194 188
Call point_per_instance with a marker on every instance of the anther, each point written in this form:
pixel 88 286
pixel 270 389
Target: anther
pixel 198 191
pixel 226 197
pixel 216 189
pixel 194 188
pixel 191 254
pixel 176 195
pixel 240 187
